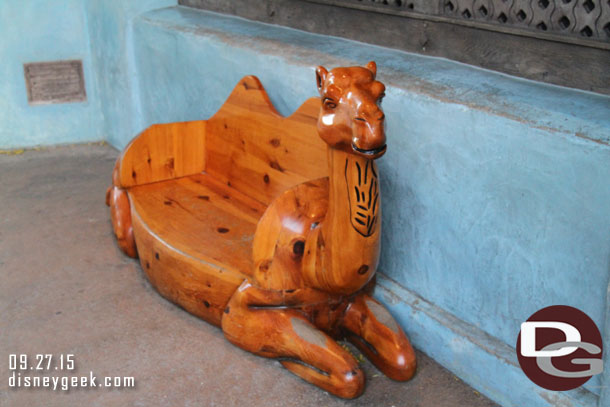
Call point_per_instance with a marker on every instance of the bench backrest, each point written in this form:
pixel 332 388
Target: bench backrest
pixel 257 151
pixel 246 144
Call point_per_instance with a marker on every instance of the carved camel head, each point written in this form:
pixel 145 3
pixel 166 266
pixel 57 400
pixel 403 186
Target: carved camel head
pixel 351 118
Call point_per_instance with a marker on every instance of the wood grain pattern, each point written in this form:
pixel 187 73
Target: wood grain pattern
pixel 340 258
pixel 257 151
pixel 117 199
pixel 163 152
pixel 282 233
pixel 292 335
pixel 269 226
pixel 370 327
pixel 120 217
pixel 312 258
pixel 202 288
pixel 202 218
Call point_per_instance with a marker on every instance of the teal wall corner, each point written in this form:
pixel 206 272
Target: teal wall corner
pixel 110 30
pixel 36 31
pixel 96 32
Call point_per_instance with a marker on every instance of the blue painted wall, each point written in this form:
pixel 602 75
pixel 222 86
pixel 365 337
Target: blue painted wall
pixel 38 30
pixel 97 32
pixel 496 191
pixel 110 30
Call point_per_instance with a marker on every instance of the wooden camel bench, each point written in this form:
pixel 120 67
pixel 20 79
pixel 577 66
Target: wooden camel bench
pixel 269 226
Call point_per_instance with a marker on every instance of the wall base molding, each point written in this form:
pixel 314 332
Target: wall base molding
pixel 482 361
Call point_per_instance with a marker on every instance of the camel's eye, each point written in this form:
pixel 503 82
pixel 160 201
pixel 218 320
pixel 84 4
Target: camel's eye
pixel 329 103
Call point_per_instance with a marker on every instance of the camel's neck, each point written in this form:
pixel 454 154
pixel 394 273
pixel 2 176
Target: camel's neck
pixel 352 226
pixel 354 193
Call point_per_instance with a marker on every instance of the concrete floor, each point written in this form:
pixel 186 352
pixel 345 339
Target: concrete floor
pixel 66 288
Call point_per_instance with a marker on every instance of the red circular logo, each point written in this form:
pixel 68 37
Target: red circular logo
pixel 560 348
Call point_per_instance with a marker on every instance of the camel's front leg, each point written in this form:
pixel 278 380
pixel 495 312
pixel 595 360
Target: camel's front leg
pixel 276 332
pixel 371 328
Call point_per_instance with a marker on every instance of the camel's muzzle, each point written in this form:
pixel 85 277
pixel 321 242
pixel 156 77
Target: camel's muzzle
pixel 373 153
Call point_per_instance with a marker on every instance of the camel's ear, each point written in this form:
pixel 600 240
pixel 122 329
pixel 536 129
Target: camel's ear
pixel 372 66
pixel 321 73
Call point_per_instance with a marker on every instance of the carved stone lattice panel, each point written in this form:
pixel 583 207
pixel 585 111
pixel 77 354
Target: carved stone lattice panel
pixel 522 13
pixel 585 19
pixel 603 22
pixel 459 8
pixel 563 17
pixel 543 10
pixel 587 13
pixel 502 12
pixel 483 9
pixel 589 19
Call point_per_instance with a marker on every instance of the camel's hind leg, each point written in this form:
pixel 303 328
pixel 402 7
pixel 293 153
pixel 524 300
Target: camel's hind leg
pixel 371 328
pixel 288 335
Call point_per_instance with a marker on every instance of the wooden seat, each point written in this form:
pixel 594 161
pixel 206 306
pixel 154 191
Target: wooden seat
pixel 194 238
pixel 189 195
pixel 267 225
pixel 202 218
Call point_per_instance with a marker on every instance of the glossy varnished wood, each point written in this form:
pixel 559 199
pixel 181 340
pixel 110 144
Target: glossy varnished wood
pixel 197 238
pixel 269 226
pixel 202 218
pixel 316 248
pixel 120 214
pixel 200 287
pixel 257 151
pixel 163 152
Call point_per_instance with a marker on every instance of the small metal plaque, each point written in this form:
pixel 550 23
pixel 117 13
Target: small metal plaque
pixel 55 82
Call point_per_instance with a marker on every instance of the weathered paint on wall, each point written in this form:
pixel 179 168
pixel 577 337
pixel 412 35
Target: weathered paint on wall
pixel 38 30
pixel 99 33
pixel 495 189
pixel 110 27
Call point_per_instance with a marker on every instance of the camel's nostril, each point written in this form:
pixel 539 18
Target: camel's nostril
pixel 360 119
